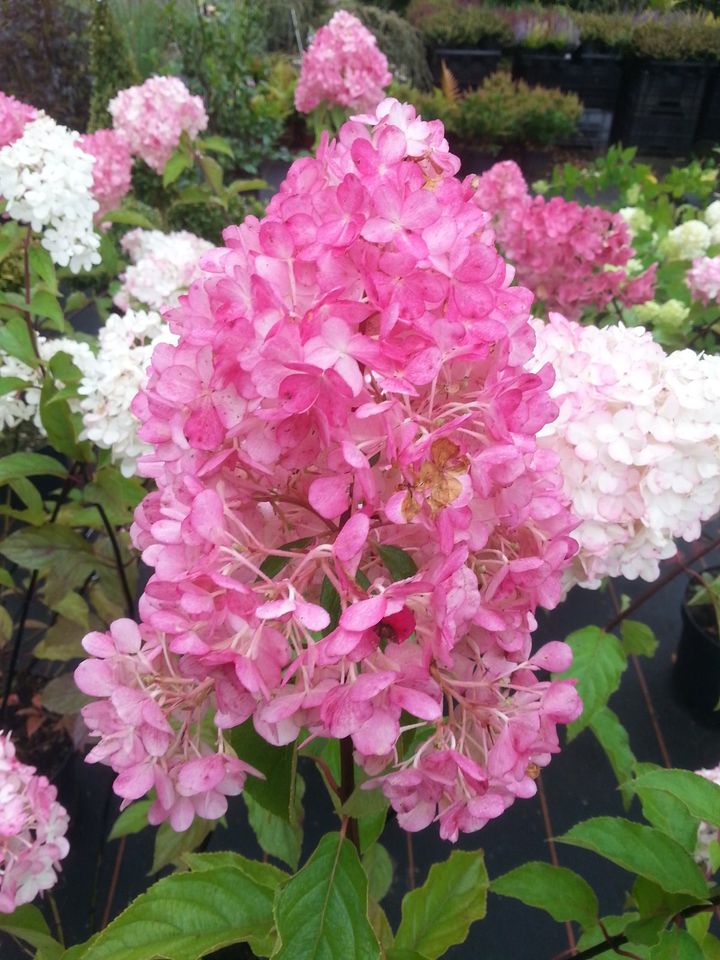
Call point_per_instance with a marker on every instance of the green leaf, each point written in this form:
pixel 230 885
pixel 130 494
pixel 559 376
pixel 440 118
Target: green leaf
pixel 438 914
pixel 330 601
pixel 263 874
pixel 272 565
pixel 172 846
pixel 28 924
pixel 638 638
pixel 276 836
pixel 379 869
pixel 216 145
pixel 62 696
pixel 17 465
pixel 57 419
pixel 322 912
pixel 61 641
pixel 613 738
pixel 63 369
pixel 213 172
pixel 6 625
pixel 178 162
pixel 41 265
pixel 188 915
pixel 677 944
pixel 73 607
pixel 700 796
pixel 15 340
pixel 656 908
pixel 364 803
pixel 400 565
pixel 44 304
pixel 190 195
pixel 76 301
pixel 642 850
pixel 132 218
pixel 41 547
pixel 132 819
pixel 276 763
pixel 562 893
pixel 598 664
pixel 12 384
pixel 395 954
pixel 665 811
pixel 370 828
pixel 245 186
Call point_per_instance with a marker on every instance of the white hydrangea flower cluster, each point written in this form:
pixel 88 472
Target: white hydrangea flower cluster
pixel 686 241
pixel 47 182
pixel 110 384
pixel 23 405
pixel 638 436
pixel 637 220
pixel 163 267
pixel 708 833
pixel 670 315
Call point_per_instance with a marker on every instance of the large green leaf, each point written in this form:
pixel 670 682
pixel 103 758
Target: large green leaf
pixel 276 836
pixel 642 850
pixel 57 419
pixel 15 340
pixel 562 893
pixel 665 811
pixel 613 738
pixel 677 944
pixel 28 924
pixel 18 465
pixel 700 796
pixel 322 912
pixel 49 545
pixel 263 874
pixel 132 819
pixel 276 763
pixel 638 638
pixel 379 869
pixel 439 913
pixel 598 664
pixel 186 916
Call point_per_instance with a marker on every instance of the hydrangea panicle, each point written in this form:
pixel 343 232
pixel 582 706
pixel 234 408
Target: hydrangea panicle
pixel 14 115
pixel 346 424
pixel 703 280
pixel 342 67
pixel 112 170
pixel 32 831
pixel 152 117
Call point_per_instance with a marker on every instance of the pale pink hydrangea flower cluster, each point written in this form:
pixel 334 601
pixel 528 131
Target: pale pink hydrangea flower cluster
pixel 354 524
pixel 14 114
pixel 152 117
pixel 342 67
pixel 32 831
pixel 112 170
pixel 703 280
pixel 163 266
pixel 571 256
pixel 638 437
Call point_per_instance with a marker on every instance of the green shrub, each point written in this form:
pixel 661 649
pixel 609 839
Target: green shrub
pixel 677 37
pixel 447 23
pixel 399 40
pixel 611 30
pixel 112 67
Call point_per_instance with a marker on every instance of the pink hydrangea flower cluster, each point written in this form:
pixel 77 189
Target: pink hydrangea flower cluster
pixel 152 117
pixel 32 831
pixel 571 256
pixel 639 442
pixel 342 67
pixel 703 280
pixel 353 524
pixel 163 266
pixel 14 114
pixel 112 170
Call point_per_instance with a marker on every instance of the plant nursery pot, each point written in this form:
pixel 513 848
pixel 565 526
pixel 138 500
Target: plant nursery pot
pixel 708 130
pixel 469 65
pixel 696 674
pixel 662 106
pixel 595 76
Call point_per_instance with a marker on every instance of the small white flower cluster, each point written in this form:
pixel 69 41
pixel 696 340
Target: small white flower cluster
pixel 23 404
pixel 637 220
pixel 693 238
pixel 163 267
pixel 708 833
pixel 638 436
pixel 47 182
pixel 110 383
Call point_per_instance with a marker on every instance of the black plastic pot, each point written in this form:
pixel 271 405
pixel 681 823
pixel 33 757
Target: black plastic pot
pixel 696 675
pixel 469 65
pixel 662 106
pixel 708 130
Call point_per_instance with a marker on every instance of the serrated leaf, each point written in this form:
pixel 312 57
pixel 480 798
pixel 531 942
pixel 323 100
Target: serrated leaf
pixel 42 266
pixel 700 796
pixel 44 304
pixel 15 340
pixel 215 144
pixel 613 738
pixel 400 565
pixel 63 369
pixel 41 547
pixel 656 908
pixel 379 869
pixel 438 914
pixel 16 465
pixel 186 916
pixel 364 803
pixel 57 419
pixel 276 836
pixel 638 638
pixel 322 912
pixel 370 828
pixel 562 893
pixel 28 924
pixel 641 850
pixel 665 811
pixel 677 944
pixel 178 162
pixel 598 665
pixel 276 763
pixel 62 696
pixel 132 819
pixel 263 874
pixel 171 846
